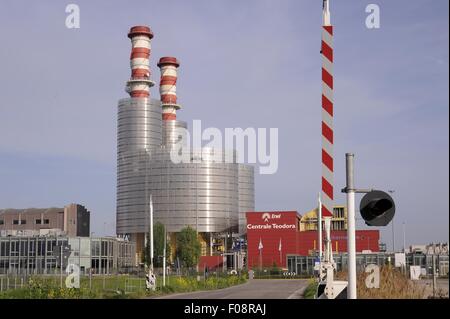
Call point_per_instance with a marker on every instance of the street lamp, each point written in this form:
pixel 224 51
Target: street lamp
pixel 404 238
pixel 393 232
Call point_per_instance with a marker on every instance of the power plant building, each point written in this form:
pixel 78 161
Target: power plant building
pixel 208 194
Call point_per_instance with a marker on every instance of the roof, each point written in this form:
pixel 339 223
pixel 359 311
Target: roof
pixel 14 211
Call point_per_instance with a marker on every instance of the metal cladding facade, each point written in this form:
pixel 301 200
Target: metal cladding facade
pixel 203 195
pixel 139 130
pixel 327 114
pixel 272 236
pixel 206 193
pixel 173 131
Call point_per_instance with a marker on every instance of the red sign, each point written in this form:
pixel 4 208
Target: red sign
pixel 273 235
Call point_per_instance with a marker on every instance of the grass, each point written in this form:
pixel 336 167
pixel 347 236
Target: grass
pixel 311 289
pixel 393 285
pixel 111 287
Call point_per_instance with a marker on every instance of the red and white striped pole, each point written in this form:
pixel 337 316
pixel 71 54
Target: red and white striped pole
pixel 327 114
pixel 140 83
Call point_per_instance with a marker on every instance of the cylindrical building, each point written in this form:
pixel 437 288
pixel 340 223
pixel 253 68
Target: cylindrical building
pixel 202 195
pixel 138 132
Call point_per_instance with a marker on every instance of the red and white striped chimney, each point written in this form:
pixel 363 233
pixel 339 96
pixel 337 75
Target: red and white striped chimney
pixel 168 87
pixel 140 83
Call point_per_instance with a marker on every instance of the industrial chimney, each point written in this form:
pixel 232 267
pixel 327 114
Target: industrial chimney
pixel 168 87
pixel 140 83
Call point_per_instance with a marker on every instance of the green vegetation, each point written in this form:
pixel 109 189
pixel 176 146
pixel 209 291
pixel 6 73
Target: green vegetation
pixel 158 240
pixel 187 284
pixel 275 272
pixel 311 289
pixel 120 286
pixel 188 247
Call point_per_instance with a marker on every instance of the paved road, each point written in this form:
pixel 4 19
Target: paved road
pixel 253 289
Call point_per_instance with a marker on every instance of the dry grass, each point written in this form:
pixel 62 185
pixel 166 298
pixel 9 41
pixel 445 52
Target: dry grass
pixel 393 285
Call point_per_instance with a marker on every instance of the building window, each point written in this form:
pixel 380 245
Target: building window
pixel 46 221
pixel 15 222
pixel 38 221
pixel 1 222
pixel 23 222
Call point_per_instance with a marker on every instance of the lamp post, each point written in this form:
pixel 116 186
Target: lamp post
pixel 164 257
pixel 404 238
pixel 393 232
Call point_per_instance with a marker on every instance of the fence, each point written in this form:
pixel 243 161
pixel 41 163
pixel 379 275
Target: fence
pixel 304 265
pixel 115 283
pixel 100 283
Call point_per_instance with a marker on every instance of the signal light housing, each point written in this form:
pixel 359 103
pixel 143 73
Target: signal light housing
pixel 377 208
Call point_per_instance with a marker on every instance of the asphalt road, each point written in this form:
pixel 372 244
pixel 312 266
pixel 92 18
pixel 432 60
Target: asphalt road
pixel 253 289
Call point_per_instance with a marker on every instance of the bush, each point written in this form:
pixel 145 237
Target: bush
pixel 310 291
pixel 40 289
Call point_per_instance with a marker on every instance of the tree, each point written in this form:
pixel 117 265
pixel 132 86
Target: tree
pixel 188 247
pixel 158 242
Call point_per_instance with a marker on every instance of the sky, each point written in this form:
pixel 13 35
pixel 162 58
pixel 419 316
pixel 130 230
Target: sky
pixel 253 63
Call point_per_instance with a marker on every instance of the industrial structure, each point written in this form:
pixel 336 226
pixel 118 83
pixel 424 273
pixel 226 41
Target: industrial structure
pixel 72 220
pixel 208 194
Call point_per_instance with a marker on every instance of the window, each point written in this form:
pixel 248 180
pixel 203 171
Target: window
pixel 15 222
pixel 46 221
pixel 38 221
pixel 23 222
pixel 1 222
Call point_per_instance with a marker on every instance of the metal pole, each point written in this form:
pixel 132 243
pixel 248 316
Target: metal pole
pixel 319 227
pixel 164 257
pixel 404 239
pixel 60 267
pixel 393 237
pixel 151 234
pixel 393 232
pixel 434 276
pixel 351 245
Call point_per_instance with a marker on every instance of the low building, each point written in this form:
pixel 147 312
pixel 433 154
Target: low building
pixel 308 220
pixel 272 236
pixel 72 220
pixel 42 254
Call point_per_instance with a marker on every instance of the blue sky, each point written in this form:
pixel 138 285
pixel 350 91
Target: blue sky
pixel 243 64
